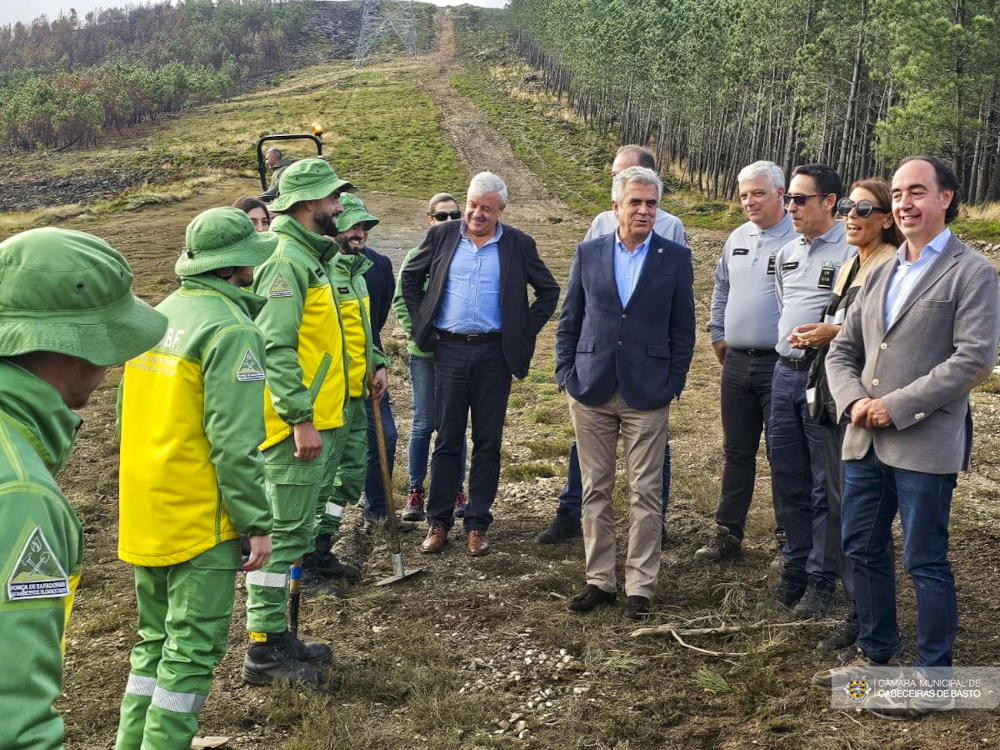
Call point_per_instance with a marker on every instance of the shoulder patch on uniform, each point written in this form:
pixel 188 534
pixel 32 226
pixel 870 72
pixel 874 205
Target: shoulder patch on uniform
pixel 249 368
pixel 37 574
pixel 279 287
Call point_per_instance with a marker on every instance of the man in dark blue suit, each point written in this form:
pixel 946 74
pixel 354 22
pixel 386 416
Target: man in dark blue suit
pixel 623 348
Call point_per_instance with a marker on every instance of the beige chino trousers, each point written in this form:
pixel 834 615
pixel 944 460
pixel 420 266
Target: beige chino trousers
pixel 644 437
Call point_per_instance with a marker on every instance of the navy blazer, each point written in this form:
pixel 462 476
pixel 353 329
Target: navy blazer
pixel 643 349
pixel 520 267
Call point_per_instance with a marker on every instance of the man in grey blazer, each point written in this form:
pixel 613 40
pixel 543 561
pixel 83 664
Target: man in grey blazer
pixel 923 335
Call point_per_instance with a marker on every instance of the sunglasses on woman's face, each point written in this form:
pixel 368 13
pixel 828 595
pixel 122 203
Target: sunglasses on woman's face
pixel 446 215
pixel 862 208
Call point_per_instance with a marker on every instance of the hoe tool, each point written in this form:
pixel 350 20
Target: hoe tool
pixel 399 572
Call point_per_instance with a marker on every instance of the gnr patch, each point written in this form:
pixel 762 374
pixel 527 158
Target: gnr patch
pixel 37 574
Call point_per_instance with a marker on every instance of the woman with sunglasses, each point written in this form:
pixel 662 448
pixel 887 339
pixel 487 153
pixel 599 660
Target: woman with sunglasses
pixel 441 208
pixel 868 226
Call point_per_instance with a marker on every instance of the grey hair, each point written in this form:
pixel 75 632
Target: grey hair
pixel 440 198
pixel 275 151
pixel 487 182
pixel 774 174
pixel 635 174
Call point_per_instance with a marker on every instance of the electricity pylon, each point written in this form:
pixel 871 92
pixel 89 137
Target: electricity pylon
pixel 381 16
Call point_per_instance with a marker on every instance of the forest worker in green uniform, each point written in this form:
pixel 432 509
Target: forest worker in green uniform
pixel 366 375
pixel 66 314
pixel 191 415
pixel 303 408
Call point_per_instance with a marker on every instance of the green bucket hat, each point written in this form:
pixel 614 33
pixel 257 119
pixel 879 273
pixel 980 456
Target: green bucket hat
pixel 69 292
pixel 220 238
pixel 354 213
pixel 307 180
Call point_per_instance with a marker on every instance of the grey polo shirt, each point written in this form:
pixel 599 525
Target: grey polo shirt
pixel 803 280
pixel 666 225
pixel 744 306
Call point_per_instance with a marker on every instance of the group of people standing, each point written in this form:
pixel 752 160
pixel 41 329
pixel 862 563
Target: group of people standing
pixel 851 327
pixel 853 344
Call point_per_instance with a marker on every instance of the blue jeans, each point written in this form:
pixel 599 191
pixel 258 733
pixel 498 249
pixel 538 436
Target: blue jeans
pixel 873 492
pixel 571 497
pixel 422 380
pixel 375 506
pixel 799 477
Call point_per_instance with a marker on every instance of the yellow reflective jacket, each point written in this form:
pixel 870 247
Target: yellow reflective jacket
pixel 306 366
pixel 190 416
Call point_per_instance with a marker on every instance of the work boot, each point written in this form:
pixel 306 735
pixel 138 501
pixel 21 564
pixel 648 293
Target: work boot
pixel 562 528
pixel 414 505
pixel 313 584
pixel 309 651
pixel 787 593
pixel 816 603
pixel 461 502
pixel 723 546
pixel 846 635
pixel 402 527
pixel 327 565
pixel 778 563
pixel 270 658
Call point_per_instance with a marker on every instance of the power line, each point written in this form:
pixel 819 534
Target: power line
pixel 380 17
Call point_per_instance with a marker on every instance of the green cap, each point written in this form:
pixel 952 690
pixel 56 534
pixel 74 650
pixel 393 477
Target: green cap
pixel 69 292
pixel 221 238
pixel 307 180
pixel 354 213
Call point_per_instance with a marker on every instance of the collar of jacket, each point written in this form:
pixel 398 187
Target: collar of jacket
pixel 248 302
pixel 36 410
pixel 350 265
pixel 321 247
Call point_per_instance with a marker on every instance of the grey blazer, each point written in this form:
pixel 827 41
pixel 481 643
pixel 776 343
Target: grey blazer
pixel 942 344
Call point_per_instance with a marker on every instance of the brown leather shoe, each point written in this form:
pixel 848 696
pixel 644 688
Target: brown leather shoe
pixel 478 544
pixel 437 537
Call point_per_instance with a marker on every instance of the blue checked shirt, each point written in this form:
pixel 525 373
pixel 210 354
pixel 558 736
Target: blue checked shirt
pixel 471 300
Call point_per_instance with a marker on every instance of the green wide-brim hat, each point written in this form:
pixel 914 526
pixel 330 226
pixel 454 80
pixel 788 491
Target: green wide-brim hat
pixel 222 238
pixel 69 292
pixel 307 180
pixel 354 213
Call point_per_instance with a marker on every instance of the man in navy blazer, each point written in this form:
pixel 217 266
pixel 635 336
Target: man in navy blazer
pixel 623 348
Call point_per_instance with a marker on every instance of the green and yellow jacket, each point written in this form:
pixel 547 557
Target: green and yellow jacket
pixel 306 367
pixel 351 292
pixel 41 550
pixel 191 417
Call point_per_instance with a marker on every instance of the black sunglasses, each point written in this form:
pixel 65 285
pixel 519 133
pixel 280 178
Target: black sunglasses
pixel 800 200
pixel 445 215
pixel 863 208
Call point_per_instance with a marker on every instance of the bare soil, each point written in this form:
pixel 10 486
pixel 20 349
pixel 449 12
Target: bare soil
pixel 481 652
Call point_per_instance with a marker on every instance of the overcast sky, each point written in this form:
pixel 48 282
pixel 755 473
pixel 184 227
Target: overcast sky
pixel 12 11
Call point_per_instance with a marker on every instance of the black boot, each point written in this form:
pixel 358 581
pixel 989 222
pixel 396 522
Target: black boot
pixel 846 635
pixel 313 584
pixel 272 660
pixel 309 651
pixel 326 564
pixel 563 527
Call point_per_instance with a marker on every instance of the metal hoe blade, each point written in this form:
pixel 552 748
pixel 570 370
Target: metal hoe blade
pixel 399 572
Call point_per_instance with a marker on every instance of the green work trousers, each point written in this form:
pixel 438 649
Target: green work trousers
pixel 184 615
pixel 347 468
pixel 293 486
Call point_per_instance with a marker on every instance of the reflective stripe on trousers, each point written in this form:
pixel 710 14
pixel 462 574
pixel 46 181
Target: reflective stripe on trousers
pixel 180 703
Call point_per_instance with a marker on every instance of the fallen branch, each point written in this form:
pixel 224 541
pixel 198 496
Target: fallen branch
pixel 702 650
pixel 673 629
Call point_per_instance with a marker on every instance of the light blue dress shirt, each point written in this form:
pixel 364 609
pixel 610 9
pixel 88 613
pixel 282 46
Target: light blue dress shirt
pixel 907 274
pixel 628 267
pixel 471 300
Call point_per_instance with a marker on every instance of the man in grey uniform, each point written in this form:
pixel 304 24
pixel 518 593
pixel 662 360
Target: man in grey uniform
pixel 744 330
pixel 805 269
